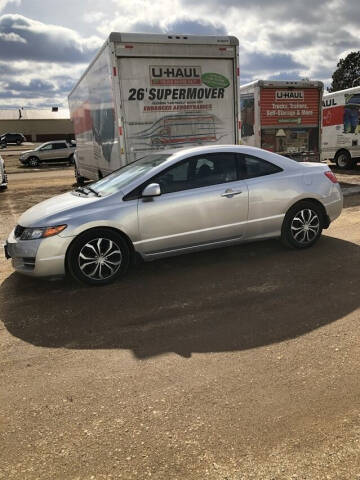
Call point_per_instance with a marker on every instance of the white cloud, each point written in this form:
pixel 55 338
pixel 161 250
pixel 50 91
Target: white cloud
pixel 4 3
pixel 277 39
pixel 12 37
pixel 44 42
pixel 93 17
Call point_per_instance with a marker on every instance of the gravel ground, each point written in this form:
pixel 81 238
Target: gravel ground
pixel 239 363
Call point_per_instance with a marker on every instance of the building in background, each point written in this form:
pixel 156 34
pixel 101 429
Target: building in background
pixel 40 125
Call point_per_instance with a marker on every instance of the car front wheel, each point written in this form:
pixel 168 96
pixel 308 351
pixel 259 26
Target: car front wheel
pixel 98 257
pixel 302 225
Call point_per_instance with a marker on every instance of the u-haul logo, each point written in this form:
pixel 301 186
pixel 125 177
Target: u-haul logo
pixel 175 75
pixel 289 95
pixel 329 102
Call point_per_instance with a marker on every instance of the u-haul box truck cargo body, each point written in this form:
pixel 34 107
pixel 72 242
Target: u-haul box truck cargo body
pixel 283 117
pixel 341 129
pixel 146 93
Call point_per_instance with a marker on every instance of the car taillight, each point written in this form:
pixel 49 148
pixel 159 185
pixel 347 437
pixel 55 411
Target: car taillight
pixel 331 176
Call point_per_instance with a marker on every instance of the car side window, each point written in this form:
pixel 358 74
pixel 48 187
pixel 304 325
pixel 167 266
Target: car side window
pixel 49 146
pixel 174 179
pixel 200 171
pixel 252 167
pixel 58 146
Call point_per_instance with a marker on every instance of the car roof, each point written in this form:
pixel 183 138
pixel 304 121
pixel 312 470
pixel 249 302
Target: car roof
pixel 175 155
pixel 279 160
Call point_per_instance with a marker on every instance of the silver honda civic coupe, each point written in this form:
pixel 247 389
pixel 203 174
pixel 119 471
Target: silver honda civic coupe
pixel 175 202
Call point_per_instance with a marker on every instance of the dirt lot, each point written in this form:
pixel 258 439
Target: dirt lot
pixel 239 363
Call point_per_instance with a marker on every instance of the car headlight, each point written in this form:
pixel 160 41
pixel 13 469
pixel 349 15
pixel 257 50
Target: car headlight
pixel 41 232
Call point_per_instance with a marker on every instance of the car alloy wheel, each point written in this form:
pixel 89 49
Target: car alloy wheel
pixel 100 258
pixel 302 225
pixel 305 226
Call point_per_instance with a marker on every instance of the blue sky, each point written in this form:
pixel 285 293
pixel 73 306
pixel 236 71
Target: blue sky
pixel 45 45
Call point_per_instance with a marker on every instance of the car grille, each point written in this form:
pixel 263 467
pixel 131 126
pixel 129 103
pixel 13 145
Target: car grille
pixel 19 231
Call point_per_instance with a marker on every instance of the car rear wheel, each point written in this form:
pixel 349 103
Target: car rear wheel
pixel 33 162
pixel 98 257
pixel 302 226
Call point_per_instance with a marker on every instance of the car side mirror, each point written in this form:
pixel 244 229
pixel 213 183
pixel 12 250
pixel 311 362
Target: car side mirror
pixel 152 190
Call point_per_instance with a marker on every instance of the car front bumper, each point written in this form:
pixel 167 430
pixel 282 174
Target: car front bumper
pixel 38 258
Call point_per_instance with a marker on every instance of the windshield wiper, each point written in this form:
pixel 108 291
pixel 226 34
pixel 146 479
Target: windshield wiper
pixel 86 190
pixel 81 190
pixel 93 191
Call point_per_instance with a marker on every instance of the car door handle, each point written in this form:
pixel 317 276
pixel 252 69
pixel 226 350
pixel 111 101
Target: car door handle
pixel 230 193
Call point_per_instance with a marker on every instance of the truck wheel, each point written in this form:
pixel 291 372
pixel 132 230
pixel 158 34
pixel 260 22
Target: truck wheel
pixel 302 226
pixel 33 162
pixel 343 160
pixel 79 179
pixel 98 257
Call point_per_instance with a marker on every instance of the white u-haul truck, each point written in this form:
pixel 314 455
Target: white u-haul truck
pixel 341 128
pixel 151 92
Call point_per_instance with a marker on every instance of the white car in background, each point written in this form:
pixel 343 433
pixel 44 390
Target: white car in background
pixel 3 176
pixel 49 152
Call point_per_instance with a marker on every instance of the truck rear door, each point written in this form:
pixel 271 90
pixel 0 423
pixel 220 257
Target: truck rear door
pixel 177 102
pixel 290 121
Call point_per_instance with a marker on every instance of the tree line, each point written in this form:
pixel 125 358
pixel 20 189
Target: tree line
pixel 347 73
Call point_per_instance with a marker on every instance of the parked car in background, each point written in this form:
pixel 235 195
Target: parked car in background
pixel 171 203
pixel 17 138
pixel 57 151
pixel 3 176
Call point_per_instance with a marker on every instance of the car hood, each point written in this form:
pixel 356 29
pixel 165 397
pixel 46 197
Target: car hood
pixel 56 210
pixel 27 151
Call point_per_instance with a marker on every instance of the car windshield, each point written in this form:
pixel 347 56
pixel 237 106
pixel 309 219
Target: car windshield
pixel 40 146
pixel 117 180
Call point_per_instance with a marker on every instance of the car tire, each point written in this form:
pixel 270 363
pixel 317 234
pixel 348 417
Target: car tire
pixel 98 257
pixel 302 225
pixel 343 160
pixel 18 142
pixel 33 162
